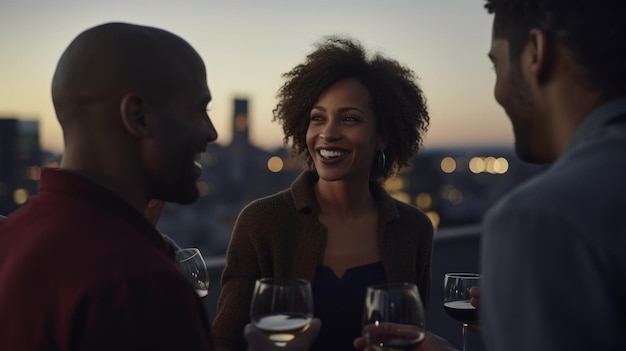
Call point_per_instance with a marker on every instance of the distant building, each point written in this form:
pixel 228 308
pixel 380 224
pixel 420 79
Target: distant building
pixel 20 162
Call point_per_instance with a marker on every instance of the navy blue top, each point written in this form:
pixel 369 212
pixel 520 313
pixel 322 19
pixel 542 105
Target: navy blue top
pixel 338 303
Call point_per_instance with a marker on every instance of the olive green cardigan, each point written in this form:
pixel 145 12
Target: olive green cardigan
pixel 281 236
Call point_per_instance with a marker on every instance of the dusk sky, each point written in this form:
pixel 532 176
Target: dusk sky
pixel 247 45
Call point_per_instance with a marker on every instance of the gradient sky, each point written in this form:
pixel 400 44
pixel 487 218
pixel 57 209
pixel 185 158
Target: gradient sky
pixel 247 45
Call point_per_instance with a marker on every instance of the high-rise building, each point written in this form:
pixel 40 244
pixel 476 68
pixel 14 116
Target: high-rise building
pixel 20 162
pixel 240 144
pixel 240 123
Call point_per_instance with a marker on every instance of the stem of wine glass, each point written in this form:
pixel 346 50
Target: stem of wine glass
pixel 464 331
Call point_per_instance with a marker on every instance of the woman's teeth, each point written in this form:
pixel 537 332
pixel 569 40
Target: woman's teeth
pixel 330 153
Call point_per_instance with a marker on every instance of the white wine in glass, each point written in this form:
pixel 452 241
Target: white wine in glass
pixel 191 263
pixel 456 299
pixel 393 317
pixel 281 309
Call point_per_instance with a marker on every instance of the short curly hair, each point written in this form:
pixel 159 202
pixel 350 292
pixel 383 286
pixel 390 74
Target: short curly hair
pixel 397 101
pixel 593 30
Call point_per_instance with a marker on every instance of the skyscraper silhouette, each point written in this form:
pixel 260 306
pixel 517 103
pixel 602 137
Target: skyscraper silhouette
pixel 20 162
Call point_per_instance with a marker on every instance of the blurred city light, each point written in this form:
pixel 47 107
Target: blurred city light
pixel 53 164
pixel 501 165
pixel 489 164
pixel 394 184
pixel 20 196
pixel 448 165
pixel 402 196
pixel 477 165
pixel 434 218
pixel 424 201
pixel 33 173
pixel 275 164
pixel 241 122
pixel 452 194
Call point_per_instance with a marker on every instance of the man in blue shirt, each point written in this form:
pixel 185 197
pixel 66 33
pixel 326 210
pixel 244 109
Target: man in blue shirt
pixel 553 249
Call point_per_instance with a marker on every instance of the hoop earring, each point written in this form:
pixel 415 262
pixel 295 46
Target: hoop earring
pixel 382 159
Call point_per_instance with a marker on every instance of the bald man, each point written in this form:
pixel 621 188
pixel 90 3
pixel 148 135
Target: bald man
pixel 81 268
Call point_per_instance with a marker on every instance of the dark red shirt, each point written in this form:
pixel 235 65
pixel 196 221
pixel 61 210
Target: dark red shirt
pixel 80 269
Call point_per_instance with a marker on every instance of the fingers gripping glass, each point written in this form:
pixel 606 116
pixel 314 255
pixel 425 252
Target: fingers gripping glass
pixel 393 317
pixel 456 299
pixel 281 309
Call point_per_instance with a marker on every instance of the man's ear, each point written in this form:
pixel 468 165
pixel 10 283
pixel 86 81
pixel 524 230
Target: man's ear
pixel 539 55
pixel 133 113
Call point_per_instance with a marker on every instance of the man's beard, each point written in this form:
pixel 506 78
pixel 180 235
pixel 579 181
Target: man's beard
pixel 522 112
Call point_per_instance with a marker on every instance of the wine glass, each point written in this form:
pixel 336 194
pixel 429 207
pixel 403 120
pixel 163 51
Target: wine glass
pixel 456 299
pixel 191 263
pixel 281 308
pixel 393 317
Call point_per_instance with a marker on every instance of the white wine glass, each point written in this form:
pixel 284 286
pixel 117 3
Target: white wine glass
pixel 456 299
pixel 281 308
pixel 393 317
pixel 191 263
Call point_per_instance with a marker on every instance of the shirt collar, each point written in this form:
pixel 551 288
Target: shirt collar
pixel 597 120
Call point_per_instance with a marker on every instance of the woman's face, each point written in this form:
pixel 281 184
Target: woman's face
pixel 342 138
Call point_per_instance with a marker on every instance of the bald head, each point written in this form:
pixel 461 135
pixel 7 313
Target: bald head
pixel 112 59
pixel 131 101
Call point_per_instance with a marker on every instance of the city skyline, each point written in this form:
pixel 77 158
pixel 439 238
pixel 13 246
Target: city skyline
pixel 247 46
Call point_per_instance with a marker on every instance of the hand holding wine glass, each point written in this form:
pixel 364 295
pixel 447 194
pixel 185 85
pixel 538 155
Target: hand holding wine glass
pixel 191 263
pixel 457 299
pixel 281 309
pixel 393 317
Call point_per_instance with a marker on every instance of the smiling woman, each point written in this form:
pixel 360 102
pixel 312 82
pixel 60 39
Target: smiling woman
pixel 342 138
pixel 355 120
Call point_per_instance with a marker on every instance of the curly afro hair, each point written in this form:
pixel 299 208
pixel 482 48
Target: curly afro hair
pixel 397 101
